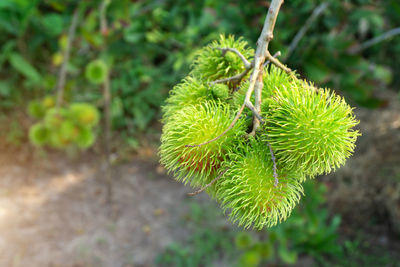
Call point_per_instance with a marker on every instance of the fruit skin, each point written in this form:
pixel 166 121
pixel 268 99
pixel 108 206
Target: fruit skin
pixel 96 71
pixel 196 124
pixel 85 138
pixel 84 114
pixel 54 117
pixel 210 65
pixel 38 134
pixel 220 91
pixel 310 130
pixel 247 188
pixel 192 91
pixel 48 102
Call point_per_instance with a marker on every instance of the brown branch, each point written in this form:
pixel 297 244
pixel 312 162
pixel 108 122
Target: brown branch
pixel 277 63
pixel 277 54
pixel 236 78
pixel 210 184
pixel 62 76
pixel 257 64
pixel 274 164
pixel 257 104
pixel 316 13
pixel 375 40
pixel 107 112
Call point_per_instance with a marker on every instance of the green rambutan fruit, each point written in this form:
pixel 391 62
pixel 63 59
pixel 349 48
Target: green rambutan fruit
pixel 36 110
pixel 273 79
pixel 193 125
pixel 310 130
pixel 85 137
pixel 48 102
pixel 192 91
pixel 248 188
pixel 54 117
pixel 210 64
pixel 64 135
pixel 220 91
pixel 96 71
pixel 84 114
pixel 69 131
pixel 38 134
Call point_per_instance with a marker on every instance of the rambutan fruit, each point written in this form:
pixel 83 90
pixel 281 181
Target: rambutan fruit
pixel 84 114
pixel 48 102
pixel 85 137
pixel 193 125
pixel 248 188
pixel 192 91
pixel 54 117
pixel 38 134
pixel 273 79
pixel 310 130
pixel 211 64
pixel 96 71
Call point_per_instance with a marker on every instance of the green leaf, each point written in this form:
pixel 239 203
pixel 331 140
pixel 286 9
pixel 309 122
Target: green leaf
pixel 289 257
pixel 53 24
pixel 24 67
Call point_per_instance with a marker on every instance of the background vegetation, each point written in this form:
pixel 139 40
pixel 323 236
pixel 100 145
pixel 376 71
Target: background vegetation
pixel 148 47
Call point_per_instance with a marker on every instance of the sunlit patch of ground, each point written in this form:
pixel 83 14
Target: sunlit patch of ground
pixel 60 218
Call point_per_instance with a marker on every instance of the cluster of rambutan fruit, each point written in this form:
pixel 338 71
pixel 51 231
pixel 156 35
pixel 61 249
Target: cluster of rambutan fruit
pixel 309 130
pixel 60 127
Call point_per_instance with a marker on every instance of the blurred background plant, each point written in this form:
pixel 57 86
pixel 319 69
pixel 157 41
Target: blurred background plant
pixel 147 48
pixel 310 237
pixel 150 44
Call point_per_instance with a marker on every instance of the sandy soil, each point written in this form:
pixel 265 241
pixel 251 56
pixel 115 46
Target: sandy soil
pixel 58 217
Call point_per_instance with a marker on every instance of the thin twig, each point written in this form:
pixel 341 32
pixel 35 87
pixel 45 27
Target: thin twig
pixel 300 34
pixel 208 185
pixel 274 164
pixel 107 113
pixel 103 19
pixel 219 136
pixel 246 63
pixel 375 40
pixel 277 54
pixel 261 55
pixel 257 104
pixel 62 76
pixel 236 78
pixel 277 63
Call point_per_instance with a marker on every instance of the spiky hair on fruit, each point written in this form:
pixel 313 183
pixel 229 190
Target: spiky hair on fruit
pixel 54 117
pixel 192 125
pixel 210 64
pixel 273 79
pixel 84 114
pixel 96 71
pixel 192 91
pixel 310 130
pixel 85 137
pixel 38 134
pixel 248 188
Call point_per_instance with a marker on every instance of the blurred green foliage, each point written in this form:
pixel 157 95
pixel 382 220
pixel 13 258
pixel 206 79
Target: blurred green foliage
pixel 149 44
pixel 308 232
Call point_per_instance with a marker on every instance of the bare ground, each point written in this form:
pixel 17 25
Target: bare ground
pixel 53 210
pixel 57 215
